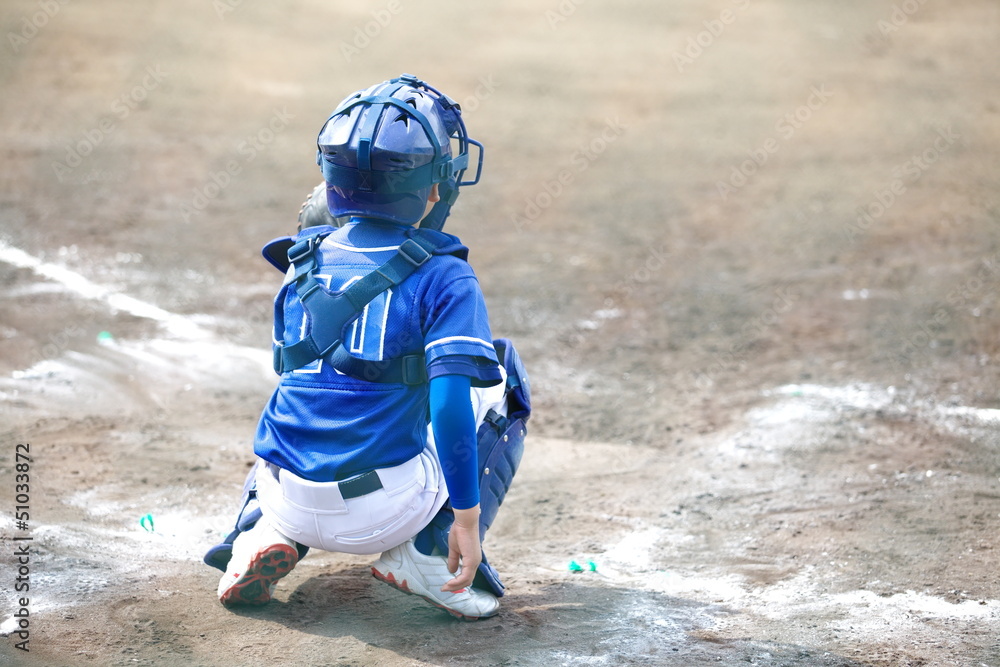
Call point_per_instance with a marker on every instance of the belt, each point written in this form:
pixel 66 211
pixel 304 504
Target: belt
pixel 361 485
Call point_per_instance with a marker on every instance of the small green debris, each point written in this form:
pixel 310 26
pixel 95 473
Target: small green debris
pixel 575 567
pixel 147 523
pixel 592 566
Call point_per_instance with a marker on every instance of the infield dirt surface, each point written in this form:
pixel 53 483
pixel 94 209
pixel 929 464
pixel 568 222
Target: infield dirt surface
pixel 748 251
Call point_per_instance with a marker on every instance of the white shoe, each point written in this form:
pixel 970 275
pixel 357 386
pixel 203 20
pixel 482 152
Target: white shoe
pixel 412 572
pixel 261 556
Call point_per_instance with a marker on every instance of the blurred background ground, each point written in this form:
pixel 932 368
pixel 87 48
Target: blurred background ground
pixel 748 250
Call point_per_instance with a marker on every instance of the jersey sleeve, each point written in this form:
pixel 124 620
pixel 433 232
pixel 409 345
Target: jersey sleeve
pixel 458 340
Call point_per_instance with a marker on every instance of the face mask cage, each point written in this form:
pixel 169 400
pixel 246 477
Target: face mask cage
pixel 443 169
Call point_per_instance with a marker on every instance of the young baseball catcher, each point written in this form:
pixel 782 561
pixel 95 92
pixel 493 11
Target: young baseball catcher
pixel 398 422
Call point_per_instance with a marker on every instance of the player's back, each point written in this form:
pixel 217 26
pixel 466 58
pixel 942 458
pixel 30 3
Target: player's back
pixel 323 424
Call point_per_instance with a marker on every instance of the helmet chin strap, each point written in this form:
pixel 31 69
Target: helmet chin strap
pixel 448 191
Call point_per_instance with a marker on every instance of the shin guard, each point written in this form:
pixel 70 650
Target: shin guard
pixel 501 446
pixel 219 555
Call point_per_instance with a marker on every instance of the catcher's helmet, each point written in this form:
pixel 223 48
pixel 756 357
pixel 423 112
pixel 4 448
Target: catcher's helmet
pixel 383 149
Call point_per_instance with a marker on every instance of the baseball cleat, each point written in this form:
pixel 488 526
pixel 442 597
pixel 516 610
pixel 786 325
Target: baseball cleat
pixel 410 571
pixel 261 557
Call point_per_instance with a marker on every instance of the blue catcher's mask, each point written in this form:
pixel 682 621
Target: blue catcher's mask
pixel 384 148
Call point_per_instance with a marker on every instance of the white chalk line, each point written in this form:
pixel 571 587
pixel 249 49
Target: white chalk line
pixel 187 345
pixel 84 287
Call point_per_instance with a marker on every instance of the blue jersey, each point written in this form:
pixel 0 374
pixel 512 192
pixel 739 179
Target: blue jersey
pixel 324 425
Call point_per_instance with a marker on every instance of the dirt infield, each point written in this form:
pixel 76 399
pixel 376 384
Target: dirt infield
pixel 749 251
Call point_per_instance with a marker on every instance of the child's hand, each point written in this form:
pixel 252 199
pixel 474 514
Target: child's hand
pixel 464 546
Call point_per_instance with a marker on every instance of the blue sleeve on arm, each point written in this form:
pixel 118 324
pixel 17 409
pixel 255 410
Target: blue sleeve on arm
pixel 454 426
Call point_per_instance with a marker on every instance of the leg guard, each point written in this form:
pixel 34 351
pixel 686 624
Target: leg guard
pixel 501 445
pixel 219 555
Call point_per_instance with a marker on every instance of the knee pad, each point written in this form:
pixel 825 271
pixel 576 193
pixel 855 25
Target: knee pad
pixel 501 438
pixel 501 446
pixel 518 389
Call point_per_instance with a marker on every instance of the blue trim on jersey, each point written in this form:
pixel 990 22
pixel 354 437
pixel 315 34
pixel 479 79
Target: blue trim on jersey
pixel 480 370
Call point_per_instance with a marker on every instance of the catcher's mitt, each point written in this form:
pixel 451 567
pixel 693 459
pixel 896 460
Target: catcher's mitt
pixel 314 211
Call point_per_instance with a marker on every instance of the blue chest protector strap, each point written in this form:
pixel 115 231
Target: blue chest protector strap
pixel 329 312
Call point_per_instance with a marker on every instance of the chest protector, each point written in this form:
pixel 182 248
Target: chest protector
pixel 329 312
